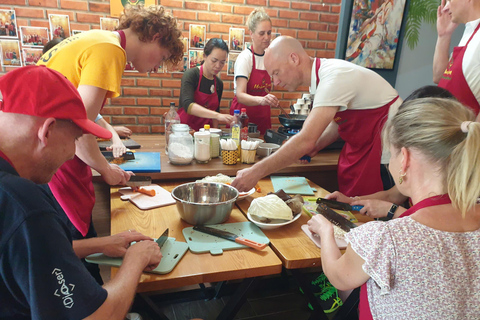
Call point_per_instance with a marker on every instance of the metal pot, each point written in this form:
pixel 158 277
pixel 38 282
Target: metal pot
pixel 295 122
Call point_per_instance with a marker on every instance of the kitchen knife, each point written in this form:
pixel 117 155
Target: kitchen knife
pixel 129 155
pixel 339 205
pixel 230 236
pixel 163 238
pixel 335 218
pixel 139 181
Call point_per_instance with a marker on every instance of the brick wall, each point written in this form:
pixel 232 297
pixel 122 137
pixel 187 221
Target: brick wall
pixel 146 97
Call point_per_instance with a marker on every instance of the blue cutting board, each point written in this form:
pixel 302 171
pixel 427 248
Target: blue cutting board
pixel 292 185
pixel 144 162
pixel 199 242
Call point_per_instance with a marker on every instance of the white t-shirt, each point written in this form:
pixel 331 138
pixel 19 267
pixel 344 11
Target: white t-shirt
pixel 244 65
pixel 471 59
pixel 349 86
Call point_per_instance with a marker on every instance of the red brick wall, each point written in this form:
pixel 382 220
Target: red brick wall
pixel 145 97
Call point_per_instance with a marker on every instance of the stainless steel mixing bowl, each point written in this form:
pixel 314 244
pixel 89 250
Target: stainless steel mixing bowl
pixel 202 203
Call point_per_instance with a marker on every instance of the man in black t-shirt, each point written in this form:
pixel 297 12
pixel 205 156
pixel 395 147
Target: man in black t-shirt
pixel 41 276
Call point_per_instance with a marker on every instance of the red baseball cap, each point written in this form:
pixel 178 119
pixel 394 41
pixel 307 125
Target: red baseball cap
pixel 43 92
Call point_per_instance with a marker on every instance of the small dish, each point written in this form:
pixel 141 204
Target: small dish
pixel 243 195
pixel 273 224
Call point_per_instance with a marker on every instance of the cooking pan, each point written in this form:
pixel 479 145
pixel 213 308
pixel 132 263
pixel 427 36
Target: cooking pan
pixel 294 122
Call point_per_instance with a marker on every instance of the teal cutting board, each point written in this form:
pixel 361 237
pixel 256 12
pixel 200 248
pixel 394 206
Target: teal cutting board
pixel 200 242
pixel 292 185
pixel 172 252
pixel 144 162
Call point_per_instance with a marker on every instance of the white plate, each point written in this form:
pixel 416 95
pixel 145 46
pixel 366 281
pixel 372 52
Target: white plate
pixel 243 195
pixel 273 224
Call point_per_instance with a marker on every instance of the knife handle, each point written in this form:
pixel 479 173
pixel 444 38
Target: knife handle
pixel 357 208
pixel 250 243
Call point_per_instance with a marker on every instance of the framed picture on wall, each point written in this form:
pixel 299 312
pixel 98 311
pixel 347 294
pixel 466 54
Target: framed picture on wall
pixel 195 58
pixel 236 39
pixel 8 24
pixel 275 35
pixel 374 33
pixel 129 67
pixel 33 36
pixel 59 26
pixel 185 46
pixel 31 55
pixel 197 35
pixel 11 56
pixel 232 57
pixel 110 24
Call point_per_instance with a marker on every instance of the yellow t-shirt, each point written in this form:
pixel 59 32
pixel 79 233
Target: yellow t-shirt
pixel 92 58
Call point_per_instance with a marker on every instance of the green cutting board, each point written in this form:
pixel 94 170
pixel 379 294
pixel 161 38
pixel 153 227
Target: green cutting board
pixel 292 185
pixel 172 252
pixel 200 242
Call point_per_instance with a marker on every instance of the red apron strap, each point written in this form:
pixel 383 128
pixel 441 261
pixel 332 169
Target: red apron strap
pixel 428 202
pixel 123 39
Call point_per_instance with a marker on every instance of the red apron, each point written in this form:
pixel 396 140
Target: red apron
pixel 454 80
pixel 259 85
pixel 72 185
pixel 358 170
pixel 364 312
pixel 209 101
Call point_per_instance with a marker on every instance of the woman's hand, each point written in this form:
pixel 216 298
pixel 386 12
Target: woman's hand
pixel 338 196
pixel 123 131
pixel 269 100
pixel 373 208
pixel 320 225
pixel 224 118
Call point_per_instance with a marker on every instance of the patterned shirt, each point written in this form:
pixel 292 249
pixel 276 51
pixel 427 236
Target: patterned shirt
pixel 417 272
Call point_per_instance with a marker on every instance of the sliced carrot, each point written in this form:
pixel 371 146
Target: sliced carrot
pixel 150 193
pixel 257 187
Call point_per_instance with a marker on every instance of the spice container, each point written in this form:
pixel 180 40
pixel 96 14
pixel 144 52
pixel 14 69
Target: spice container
pixel 214 145
pixel 202 146
pixel 180 145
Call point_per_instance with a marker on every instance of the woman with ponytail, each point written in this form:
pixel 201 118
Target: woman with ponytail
pixel 426 264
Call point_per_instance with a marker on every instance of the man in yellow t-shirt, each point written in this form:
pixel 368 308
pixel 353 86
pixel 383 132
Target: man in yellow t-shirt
pixel 94 62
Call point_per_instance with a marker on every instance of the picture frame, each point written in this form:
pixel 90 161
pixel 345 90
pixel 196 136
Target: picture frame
pixel 31 55
pixel 59 26
pixel 195 58
pixel 274 36
pixel 11 56
pixel 180 67
pixel 33 36
pixel 185 45
pixel 232 57
pixel 8 24
pixel 197 34
pixel 129 67
pixel 117 6
pixel 373 33
pixel 109 24
pixel 236 39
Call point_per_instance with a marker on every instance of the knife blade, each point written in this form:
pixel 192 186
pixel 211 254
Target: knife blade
pixel 163 238
pixel 335 218
pixel 230 236
pixel 339 205
pixel 128 155
pixel 139 181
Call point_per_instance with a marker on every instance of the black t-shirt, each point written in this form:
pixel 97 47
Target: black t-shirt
pixel 190 84
pixel 40 275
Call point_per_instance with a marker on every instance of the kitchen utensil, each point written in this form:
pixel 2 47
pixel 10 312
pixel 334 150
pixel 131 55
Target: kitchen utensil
pixel 230 236
pixel 144 162
pixel 200 203
pixel 129 155
pixel 339 205
pixel 266 149
pixel 292 108
pixel 273 223
pixel 283 110
pixel 335 218
pixel 294 122
pixel 292 185
pixel 162 197
pixel 139 181
pixel 127 142
pixel 160 241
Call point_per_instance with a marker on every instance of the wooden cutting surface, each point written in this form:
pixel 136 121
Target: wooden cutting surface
pixel 192 268
pixel 289 242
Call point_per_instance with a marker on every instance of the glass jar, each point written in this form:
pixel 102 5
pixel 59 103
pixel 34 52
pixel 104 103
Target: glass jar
pixel 180 145
pixel 202 146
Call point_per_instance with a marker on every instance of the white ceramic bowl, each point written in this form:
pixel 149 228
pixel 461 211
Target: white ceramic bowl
pixel 266 149
pixel 273 224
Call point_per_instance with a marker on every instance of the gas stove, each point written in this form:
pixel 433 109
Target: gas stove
pixel 283 134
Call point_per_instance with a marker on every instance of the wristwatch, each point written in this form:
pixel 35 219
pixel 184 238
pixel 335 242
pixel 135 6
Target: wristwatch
pixel 392 210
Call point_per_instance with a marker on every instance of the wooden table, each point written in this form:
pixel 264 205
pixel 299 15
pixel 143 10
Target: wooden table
pixel 322 169
pixel 192 268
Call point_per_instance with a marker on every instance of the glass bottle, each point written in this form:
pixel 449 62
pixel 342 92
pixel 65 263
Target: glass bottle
pixel 236 127
pixel 171 118
pixel 244 124
pixel 180 145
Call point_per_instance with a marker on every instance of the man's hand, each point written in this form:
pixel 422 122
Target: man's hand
pixel 117 245
pixel 146 251
pixel 116 175
pixel 445 26
pixel 245 180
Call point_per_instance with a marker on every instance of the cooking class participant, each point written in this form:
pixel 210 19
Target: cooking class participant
pixel 341 107
pixel 459 73
pixel 388 203
pixel 410 267
pixel 117 147
pixel 202 89
pixel 41 276
pixel 94 62
pixel 252 83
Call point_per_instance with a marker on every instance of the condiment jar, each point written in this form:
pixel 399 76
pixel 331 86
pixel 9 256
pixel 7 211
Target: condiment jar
pixel 180 145
pixel 202 146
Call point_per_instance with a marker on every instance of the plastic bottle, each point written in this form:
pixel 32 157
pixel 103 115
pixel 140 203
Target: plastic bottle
pixel 236 127
pixel 171 118
pixel 244 123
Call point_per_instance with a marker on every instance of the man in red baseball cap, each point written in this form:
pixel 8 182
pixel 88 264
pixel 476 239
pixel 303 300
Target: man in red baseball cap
pixel 41 276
